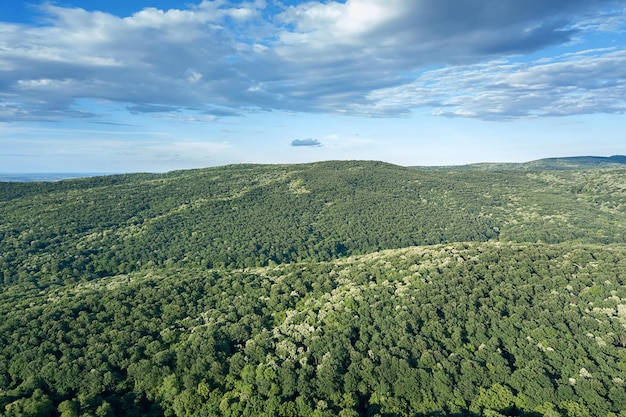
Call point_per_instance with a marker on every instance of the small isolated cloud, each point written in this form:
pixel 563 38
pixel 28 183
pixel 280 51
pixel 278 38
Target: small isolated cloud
pixel 306 142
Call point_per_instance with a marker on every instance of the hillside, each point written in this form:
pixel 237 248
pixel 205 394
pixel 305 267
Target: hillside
pixel 547 164
pixel 335 288
pixel 248 215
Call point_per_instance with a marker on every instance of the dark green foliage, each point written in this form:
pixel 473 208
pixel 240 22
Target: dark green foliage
pixel 403 332
pixel 263 291
pixel 248 215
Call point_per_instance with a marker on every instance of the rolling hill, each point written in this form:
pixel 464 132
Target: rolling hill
pixel 562 163
pixel 335 288
pixel 248 215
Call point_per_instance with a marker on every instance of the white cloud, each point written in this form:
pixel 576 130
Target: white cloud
pixel 611 20
pixel 305 142
pixel 333 22
pixel 588 82
pixel 357 57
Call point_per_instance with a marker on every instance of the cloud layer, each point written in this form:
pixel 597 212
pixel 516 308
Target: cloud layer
pixel 366 57
pixel 592 81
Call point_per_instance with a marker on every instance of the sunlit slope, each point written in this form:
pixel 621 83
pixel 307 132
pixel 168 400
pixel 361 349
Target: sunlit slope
pixel 256 215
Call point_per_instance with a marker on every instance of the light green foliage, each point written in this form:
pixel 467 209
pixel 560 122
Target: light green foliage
pixel 496 397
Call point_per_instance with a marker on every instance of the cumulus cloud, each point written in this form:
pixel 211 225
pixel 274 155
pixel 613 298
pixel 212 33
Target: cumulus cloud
pixel 306 142
pixel 356 57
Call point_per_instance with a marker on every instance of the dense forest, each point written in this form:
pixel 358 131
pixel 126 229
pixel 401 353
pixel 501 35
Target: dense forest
pixel 335 288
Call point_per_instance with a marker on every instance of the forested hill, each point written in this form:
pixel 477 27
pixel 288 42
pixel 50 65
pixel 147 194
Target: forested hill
pixel 256 215
pixel 547 164
pixel 318 290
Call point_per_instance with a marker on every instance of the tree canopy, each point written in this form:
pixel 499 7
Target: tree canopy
pixel 338 288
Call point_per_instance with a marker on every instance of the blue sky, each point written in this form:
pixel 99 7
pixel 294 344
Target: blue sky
pixel 92 86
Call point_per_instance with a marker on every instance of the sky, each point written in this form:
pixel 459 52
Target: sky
pixel 153 86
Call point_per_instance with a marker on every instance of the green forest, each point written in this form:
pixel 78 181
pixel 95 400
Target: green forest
pixel 341 288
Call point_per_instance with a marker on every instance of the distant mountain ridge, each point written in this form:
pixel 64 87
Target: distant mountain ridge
pixel 556 164
pixel 48 177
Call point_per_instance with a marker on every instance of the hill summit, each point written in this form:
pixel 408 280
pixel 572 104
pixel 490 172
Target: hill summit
pixel 257 215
